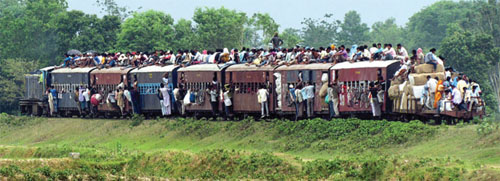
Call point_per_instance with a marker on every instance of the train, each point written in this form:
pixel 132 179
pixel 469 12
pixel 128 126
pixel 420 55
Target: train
pixel 353 78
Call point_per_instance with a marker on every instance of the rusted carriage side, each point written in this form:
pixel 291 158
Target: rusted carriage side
pixel 106 80
pixel 246 81
pixel 354 80
pixel 148 81
pixel 65 81
pixel 310 73
pixel 198 78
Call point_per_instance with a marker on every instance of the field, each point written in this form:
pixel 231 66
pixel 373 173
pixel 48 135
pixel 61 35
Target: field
pixel 184 148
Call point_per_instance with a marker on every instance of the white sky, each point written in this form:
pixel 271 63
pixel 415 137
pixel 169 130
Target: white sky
pixel 286 13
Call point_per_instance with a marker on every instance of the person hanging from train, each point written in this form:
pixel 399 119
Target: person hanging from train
pixel 374 101
pixel 76 95
pixel 226 97
pixel 308 96
pixel 212 92
pixel 95 100
pixel 457 98
pixel 293 100
pixel 262 97
pixel 81 99
pixel 120 100
pixel 432 84
pixel 166 104
pixel 333 100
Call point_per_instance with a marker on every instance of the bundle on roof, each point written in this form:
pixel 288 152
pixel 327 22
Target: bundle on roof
pixel 428 68
pixel 421 79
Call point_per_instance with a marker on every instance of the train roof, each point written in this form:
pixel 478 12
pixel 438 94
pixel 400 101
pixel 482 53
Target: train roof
pixel 313 66
pixel 364 64
pixel 112 70
pixel 201 67
pixel 155 68
pixel 48 68
pixel 74 70
pixel 243 68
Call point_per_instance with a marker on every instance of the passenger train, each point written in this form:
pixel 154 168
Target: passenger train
pixel 353 79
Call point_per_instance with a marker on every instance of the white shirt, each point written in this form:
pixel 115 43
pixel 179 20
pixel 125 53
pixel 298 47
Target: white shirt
pixel 262 95
pixel 86 95
pixel 403 52
pixel 447 74
pixel 309 91
pixel 432 83
pixel 457 96
pixel 373 50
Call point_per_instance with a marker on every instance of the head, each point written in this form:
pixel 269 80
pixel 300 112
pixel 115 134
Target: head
pixel 398 46
pixel 433 50
pixel 428 77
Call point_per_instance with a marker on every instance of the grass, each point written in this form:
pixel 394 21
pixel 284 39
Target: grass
pixel 246 149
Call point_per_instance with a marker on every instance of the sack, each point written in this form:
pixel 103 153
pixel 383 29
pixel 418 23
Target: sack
pixel 177 96
pixel 187 99
pixel 323 90
pixel 421 79
pixel 428 68
pixel 324 78
pixel 327 99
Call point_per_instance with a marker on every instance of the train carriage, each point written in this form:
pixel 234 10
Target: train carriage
pixel 197 79
pixel 309 73
pixel 148 81
pixel 35 85
pixel 106 80
pixel 354 80
pixel 65 81
pixel 247 80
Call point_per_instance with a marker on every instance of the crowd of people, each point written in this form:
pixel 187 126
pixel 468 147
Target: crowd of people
pixel 461 91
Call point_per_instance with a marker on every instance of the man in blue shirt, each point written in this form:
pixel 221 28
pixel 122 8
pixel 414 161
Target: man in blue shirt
pixel 67 61
pixel 53 91
pixel 430 58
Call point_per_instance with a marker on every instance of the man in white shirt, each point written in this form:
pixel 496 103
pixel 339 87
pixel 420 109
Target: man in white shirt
pixel 309 92
pixel 402 54
pixel 458 99
pixel 262 94
pixel 432 84
pixel 390 53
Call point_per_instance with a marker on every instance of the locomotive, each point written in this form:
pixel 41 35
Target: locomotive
pixel 353 78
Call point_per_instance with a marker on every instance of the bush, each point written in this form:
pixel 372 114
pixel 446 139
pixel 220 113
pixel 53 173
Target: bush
pixel 137 120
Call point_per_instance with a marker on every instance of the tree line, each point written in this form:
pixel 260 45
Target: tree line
pixel 37 33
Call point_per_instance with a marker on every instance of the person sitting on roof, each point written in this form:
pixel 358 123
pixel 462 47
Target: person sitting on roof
pixel 401 53
pixel 341 55
pixel 390 53
pixel 377 52
pixel 430 58
pixel 67 61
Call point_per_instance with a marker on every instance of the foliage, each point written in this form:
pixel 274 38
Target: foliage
pixel 259 30
pixel 146 32
pixel 12 82
pixel 485 128
pixel 113 9
pixel 185 36
pixel 319 32
pixel 469 52
pixel 352 30
pixel 354 134
pixel 77 30
pixel 137 120
pixel 387 32
pixel 427 28
pixel 219 28
pixel 290 37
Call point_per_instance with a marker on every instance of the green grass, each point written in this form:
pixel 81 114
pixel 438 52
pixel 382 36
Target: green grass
pixel 279 149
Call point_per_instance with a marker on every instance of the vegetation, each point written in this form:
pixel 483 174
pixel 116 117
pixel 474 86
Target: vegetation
pixel 273 150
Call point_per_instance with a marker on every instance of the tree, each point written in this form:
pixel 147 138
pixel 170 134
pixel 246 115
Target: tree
pixel 485 18
pixel 387 32
pixel 185 35
pixel 146 31
pixel 113 9
pixel 12 82
pixel 469 53
pixel 219 28
pixel 427 28
pixel 318 32
pixel 27 29
pixel 259 30
pixel 290 37
pixel 352 30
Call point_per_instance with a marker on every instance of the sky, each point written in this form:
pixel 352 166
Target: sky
pixel 289 13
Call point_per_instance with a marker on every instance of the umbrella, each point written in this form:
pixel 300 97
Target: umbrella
pixel 74 52
pixel 91 52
